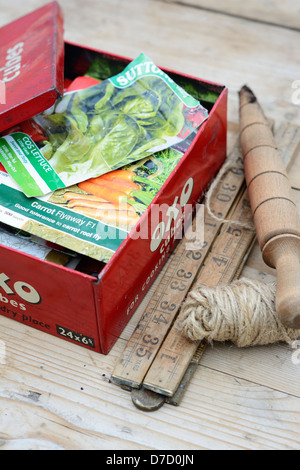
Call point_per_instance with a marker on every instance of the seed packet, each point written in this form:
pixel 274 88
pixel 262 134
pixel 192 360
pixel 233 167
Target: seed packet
pixel 91 132
pixel 91 218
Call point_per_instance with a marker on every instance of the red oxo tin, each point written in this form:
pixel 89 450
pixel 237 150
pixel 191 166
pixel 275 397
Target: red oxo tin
pixel 92 308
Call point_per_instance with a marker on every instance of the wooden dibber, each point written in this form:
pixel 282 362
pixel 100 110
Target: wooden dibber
pixel 275 214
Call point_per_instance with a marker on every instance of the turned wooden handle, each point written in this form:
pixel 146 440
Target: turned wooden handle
pixel 274 212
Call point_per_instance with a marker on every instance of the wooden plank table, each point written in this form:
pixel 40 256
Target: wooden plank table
pixel 56 395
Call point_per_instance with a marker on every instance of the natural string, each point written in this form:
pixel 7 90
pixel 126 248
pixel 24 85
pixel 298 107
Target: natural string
pixel 242 312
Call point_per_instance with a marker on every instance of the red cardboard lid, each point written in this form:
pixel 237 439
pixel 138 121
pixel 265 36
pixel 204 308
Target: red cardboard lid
pixel 31 64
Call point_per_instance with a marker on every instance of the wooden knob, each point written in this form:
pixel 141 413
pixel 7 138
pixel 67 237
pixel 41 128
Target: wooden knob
pixel 283 253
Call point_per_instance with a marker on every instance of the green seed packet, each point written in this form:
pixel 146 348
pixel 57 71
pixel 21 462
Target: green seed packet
pixel 90 132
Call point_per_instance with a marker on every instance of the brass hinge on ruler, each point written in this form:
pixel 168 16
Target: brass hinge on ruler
pixel 158 361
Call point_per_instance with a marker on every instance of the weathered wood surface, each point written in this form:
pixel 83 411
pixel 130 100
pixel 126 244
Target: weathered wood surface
pixel 55 395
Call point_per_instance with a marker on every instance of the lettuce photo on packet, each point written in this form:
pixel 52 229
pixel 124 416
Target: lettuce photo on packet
pixel 104 127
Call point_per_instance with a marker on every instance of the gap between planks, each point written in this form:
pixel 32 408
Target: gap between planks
pixel 230 13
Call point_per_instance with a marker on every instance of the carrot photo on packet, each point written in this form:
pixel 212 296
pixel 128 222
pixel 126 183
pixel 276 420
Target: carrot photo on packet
pixel 106 198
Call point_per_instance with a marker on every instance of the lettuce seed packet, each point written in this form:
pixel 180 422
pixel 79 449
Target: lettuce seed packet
pixel 91 132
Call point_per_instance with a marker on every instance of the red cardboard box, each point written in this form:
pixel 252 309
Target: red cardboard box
pixel 92 310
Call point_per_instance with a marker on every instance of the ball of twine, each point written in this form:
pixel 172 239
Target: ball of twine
pixel 242 312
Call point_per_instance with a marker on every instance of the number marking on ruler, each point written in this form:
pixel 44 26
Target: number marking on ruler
pixel 225 258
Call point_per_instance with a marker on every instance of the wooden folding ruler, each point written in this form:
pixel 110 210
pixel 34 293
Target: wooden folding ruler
pixel 158 361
